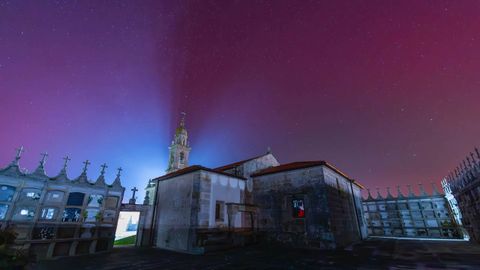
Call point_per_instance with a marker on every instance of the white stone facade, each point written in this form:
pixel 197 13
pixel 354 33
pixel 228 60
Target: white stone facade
pixel 57 216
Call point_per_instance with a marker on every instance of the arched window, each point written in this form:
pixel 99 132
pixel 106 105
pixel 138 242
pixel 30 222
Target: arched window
pixel 182 157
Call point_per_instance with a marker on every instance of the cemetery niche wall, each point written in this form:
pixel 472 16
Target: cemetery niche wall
pixel 58 216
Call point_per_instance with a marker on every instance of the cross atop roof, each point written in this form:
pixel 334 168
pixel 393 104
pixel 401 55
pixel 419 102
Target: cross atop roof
pixel 44 158
pixel 67 159
pixel 18 155
pixel 86 162
pixel 104 166
pixel 119 171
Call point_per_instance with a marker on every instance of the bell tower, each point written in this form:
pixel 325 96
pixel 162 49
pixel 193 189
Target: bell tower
pixel 179 150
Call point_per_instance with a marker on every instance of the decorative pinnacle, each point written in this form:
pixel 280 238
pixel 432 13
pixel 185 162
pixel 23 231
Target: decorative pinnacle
pixel 67 159
pixel 399 192
pixel 104 166
pixel 269 150
pixel 18 155
pixel 86 162
pixel 119 170
pixel 44 158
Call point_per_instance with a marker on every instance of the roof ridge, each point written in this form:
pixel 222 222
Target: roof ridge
pixel 234 164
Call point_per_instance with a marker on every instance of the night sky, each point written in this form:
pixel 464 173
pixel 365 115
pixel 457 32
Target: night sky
pixel 388 91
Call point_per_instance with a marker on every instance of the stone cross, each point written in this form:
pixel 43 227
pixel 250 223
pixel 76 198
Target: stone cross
pixel 86 162
pixel 18 155
pixel 19 152
pixel 119 171
pixel 44 157
pixel 67 159
pixel 104 166
pixel 134 189
pixel 133 199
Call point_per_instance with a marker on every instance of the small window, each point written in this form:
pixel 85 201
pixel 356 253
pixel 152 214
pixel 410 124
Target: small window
pixel 29 195
pixel 111 202
pixel 76 198
pixel 219 210
pixel 6 193
pixel 71 215
pixel 298 208
pixel 55 196
pixel 24 213
pixel 92 215
pixel 3 211
pixel 48 213
pixel 182 157
pixel 95 200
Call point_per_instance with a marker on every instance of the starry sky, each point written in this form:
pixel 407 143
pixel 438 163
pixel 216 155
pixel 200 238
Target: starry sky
pixel 388 91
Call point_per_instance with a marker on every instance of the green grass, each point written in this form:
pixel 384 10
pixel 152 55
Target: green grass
pixel 125 241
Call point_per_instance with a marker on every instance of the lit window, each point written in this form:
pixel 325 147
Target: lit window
pixel 298 208
pixel 24 212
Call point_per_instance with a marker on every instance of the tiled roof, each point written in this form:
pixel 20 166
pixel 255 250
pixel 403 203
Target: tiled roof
pixel 302 165
pixel 238 163
pixel 190 169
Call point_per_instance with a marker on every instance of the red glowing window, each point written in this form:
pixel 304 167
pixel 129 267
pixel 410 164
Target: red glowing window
pixel 298 208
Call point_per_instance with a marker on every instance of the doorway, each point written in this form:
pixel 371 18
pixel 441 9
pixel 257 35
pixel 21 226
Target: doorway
pixel 127 228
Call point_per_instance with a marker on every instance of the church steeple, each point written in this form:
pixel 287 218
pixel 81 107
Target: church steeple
pixel 179 149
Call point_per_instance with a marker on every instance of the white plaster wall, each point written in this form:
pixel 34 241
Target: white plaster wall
pixel 228 190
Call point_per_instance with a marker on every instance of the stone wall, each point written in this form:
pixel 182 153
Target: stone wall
pixel 329 215
pixel 175 208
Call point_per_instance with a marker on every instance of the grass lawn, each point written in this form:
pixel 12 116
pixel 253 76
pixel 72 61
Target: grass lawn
pixel 125 241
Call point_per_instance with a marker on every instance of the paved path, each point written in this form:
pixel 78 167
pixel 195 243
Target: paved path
pixel 371 254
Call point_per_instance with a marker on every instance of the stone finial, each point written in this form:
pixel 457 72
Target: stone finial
pixel 410 191
pixel 40 171
pixel 146 200
pixel 116 183
pixel 133 199
pixel 269 150
pixel 86 163
pixel 434 189
pixel 399 193
pixel 44 159
pixel 389 195
pixel 103 166
pixel 379 196
pixel 369 195
pixel 18 155
pixel 65 163
pixel 422 190
pixel 119 171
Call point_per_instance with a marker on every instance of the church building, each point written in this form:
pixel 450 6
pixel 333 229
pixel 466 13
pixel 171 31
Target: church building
pixel 304 204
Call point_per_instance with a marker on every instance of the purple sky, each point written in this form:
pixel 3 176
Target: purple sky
pixel 388 91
